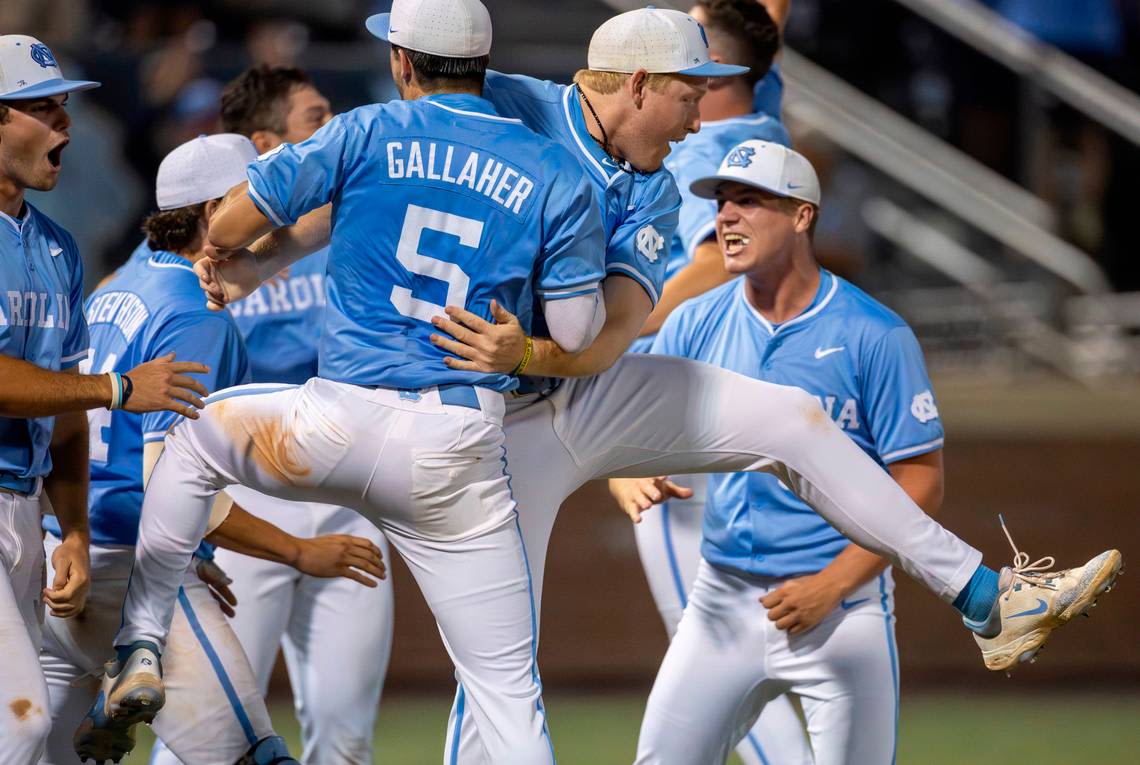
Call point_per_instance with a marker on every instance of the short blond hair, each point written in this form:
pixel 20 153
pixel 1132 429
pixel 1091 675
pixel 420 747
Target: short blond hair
pixel 607 83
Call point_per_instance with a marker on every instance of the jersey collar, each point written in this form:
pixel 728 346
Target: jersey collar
pixel 596 159
pixel 828 285
pixel 164 259
pixel 467 105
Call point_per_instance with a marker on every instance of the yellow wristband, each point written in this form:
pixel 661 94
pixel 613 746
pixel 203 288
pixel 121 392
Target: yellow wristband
pixel 528 353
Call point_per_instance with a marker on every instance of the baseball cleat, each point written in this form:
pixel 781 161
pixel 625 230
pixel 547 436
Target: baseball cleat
pixel 1033 601
pixel 131 693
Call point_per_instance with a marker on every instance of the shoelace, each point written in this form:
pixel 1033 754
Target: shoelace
pixel 1032 574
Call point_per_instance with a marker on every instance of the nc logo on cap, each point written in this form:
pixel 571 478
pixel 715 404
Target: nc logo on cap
pixel 741 156
pixel 42 55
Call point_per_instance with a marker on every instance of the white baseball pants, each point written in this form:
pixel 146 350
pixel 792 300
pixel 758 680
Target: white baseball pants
pixel 428 467
pixel 214 710
pixel 659 415
pixel 728 660
pixel 24 718
pixel 336 634
pixel 669 545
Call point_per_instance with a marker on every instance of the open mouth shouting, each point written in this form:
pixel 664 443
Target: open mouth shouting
pixel 55 155
pixel 734 243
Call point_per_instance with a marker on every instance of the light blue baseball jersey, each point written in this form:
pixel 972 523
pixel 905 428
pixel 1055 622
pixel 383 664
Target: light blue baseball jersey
pixel 437 201
pixel 852 353
pixel 281 322
pixel 700 155
pixel 639 210
pixel 147 310
pixel 768 94
pixel 41 322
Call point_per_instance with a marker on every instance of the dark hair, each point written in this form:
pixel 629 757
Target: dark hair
pixel 754 35
pixel 3 113
pixel 258 99
pixel 439 72
pixel 173 230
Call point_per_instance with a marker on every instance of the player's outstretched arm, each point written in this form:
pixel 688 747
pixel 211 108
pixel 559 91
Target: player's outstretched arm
pixel 228 276
pixel 636 495
pixel 327 556
pixel 802 602
pixel 27 390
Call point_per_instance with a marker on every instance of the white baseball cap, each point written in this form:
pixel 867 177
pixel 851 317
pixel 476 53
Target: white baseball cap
pixel 203 169
pixel 769 166
pixel 28 69
pixel 657 40
pixel 449 28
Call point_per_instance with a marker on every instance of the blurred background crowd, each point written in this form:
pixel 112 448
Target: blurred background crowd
pixel 974 96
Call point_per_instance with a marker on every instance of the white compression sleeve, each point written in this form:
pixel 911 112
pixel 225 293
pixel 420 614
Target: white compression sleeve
pixel 574 322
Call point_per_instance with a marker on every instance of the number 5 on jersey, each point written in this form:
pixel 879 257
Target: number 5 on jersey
pixel 416 221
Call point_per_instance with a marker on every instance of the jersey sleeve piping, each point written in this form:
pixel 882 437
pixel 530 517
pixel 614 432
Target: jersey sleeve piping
pixel 569 292
pixel 264 207
pixel 912 451
pixel 631 272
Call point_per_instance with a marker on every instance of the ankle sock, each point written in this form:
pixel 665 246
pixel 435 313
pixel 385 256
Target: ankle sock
pixel 977 598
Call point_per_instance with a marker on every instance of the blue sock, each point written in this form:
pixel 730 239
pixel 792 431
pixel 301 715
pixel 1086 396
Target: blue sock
pixel 123 651
pixel 976 599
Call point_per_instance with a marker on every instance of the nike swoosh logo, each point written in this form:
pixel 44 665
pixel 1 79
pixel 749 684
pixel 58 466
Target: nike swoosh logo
pixel 822 352
pixel 55 251
pixel 847 605
pixel 795 186
pixel 1039 610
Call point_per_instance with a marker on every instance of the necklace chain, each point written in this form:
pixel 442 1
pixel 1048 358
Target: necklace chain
pixel 621 164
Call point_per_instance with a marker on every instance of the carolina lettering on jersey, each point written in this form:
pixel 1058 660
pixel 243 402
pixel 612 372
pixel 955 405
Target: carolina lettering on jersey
pixel 35 309
pixel 295 293
pixel 847 417
pixel 123 309
pixel 484 173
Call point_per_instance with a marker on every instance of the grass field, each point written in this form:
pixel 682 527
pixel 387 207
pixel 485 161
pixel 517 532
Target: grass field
pixel 934 730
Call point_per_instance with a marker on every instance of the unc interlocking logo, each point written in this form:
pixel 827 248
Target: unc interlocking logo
pixel 923 407
pixel 741 156
pixel 649 243
pixel 42 55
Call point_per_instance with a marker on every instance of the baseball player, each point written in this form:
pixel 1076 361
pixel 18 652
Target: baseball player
pixel 794 607
pixel 43 428
pixel 387 428
pixel 669 536
pixel 320 624
pixel 641 415
pixel 150 310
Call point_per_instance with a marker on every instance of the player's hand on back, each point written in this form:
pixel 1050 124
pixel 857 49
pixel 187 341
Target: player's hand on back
pixel 165 385
pixel 481 346
pixel 801 603
pixel 636 495
pixel 333 555
pixel 218 582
